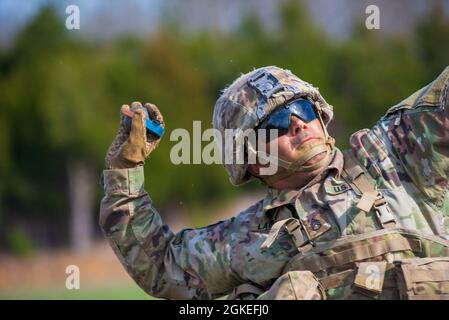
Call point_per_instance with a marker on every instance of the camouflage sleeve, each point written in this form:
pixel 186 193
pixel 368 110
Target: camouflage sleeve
pixel 417 130
pixel 193 264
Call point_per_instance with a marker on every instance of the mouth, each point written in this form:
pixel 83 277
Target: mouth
pixel 301 142
pixel 307 139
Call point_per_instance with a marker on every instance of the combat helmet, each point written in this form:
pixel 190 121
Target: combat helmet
pixel 252 97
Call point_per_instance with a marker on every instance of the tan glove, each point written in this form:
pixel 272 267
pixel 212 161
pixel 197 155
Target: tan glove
pixel 130 149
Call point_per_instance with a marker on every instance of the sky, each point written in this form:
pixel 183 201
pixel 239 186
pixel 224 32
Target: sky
pixel 107 18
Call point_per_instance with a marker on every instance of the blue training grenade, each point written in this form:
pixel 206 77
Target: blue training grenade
pixel 153 126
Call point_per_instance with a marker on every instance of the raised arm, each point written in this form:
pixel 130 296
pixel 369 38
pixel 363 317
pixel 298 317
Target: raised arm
pixel 417 129
pixel 193 264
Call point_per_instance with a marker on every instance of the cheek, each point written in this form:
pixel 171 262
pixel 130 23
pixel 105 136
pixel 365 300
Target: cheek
pixel 316 128
pixel 284 148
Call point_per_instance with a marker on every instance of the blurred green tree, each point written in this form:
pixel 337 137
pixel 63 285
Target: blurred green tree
pixel 55 98
pixel 432 40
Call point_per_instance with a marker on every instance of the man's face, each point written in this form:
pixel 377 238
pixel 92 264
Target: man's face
pixel 299 135
pixel 294 144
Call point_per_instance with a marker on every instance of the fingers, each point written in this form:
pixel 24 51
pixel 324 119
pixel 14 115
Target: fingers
pixel 137 134
pixel 154 113
pixel 123 111
pixel 136 104
pixel 122 134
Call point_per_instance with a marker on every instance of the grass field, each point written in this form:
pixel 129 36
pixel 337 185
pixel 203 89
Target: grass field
pixel 113 292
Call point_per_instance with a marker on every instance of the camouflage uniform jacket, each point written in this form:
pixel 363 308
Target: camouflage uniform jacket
pixel 406 152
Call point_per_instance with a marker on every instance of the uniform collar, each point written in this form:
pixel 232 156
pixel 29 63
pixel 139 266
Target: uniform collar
pixel 276 197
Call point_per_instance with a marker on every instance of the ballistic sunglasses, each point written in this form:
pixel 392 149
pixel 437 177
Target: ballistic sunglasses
pixel 281 118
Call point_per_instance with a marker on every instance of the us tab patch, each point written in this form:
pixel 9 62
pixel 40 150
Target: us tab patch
pixel 334 187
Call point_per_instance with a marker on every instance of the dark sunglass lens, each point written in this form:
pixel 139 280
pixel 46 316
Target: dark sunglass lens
pixel 280 118
pixel 303 109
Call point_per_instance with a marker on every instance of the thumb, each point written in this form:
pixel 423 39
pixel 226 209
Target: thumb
pixel 137 134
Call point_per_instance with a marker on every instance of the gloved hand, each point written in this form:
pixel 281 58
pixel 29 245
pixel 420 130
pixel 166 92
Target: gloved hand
pixel 130 149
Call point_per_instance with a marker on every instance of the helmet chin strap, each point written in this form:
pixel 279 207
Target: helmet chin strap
pixel 299 164
pixel 308 151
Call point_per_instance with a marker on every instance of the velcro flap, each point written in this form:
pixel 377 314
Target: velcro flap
pixel 370 276
pixel 366 202
pixel 429 275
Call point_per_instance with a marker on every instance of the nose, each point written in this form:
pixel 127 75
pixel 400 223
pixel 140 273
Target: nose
pixel 297 125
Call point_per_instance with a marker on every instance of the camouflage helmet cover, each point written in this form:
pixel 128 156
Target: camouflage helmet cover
pixel 252 97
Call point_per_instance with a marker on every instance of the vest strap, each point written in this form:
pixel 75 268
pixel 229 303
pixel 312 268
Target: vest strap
pixel 362 183
pixel 295 229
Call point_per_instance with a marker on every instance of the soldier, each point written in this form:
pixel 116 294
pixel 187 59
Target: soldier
pixel 370 222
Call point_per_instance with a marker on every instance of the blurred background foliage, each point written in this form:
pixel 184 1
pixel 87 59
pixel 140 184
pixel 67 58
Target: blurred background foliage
pixel 61 94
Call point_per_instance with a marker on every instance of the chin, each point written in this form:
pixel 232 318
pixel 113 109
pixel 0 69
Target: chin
pixel 316 158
